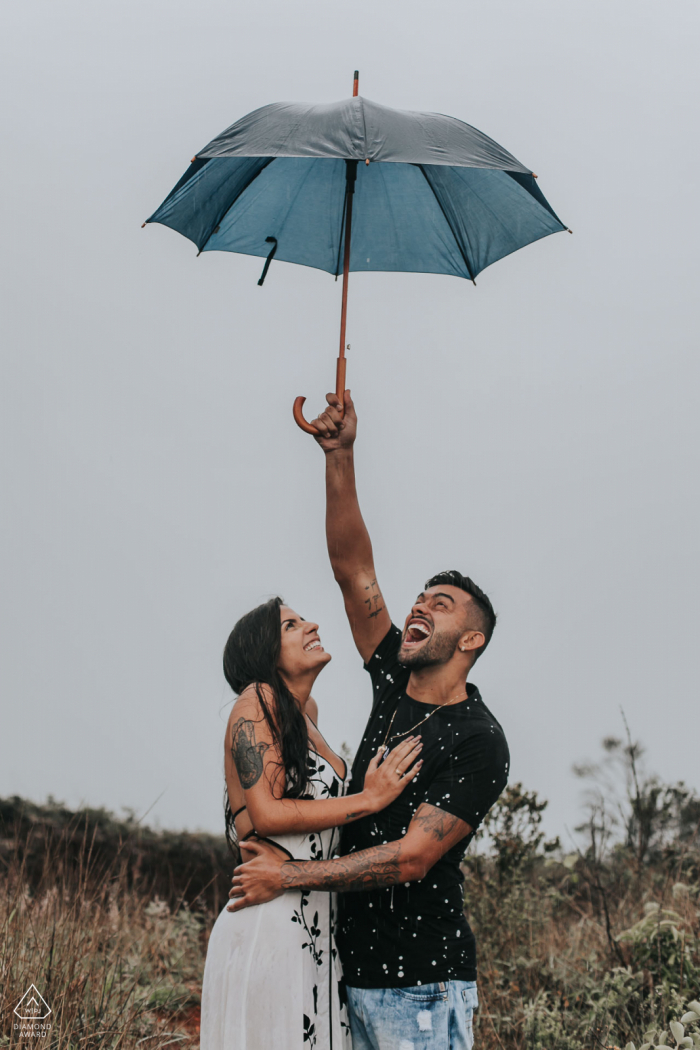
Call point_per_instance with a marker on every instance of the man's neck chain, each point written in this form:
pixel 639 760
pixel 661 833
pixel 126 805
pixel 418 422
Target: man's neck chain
pixel 397 736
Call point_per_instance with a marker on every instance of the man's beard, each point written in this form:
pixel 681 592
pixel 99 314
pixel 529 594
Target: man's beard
pixel 437 650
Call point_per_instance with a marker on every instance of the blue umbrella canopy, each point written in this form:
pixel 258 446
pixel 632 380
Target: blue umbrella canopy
pixel 431 195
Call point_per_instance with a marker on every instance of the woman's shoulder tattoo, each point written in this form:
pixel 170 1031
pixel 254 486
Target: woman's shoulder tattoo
pixel 247 752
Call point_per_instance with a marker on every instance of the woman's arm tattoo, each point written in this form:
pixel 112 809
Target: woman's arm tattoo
pixel 371 869
pixel 247 753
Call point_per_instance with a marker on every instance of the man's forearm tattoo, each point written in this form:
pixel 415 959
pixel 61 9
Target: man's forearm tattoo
pixel 435 822
pixel 247 752
pixel 371 869
pixel 374 600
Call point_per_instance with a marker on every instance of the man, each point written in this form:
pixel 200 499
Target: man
pixel 407 950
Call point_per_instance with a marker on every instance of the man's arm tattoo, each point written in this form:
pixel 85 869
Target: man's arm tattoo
pixel 375 868
pixel 374 601
pixel 247 753
pixel 371 869
pixel 436 822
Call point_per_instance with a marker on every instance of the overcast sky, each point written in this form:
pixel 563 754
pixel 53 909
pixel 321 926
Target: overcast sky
pixel 538 432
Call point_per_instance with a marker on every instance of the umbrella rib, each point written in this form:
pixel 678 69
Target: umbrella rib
pixel 217 222
pixel 364 128
pixel 439 202
pixel 342 230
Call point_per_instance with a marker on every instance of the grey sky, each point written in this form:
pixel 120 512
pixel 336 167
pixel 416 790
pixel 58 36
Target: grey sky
pixel 538 432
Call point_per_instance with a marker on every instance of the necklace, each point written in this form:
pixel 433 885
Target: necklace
pixel 397 736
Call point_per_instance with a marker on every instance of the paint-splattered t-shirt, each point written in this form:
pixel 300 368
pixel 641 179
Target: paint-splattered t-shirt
pixel 416 933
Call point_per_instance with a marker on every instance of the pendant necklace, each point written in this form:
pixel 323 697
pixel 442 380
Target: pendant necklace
pixel 397 736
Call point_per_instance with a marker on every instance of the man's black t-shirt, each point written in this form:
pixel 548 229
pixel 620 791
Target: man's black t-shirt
pixel 416 933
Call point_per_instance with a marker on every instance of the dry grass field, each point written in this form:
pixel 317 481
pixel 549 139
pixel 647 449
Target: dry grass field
pixel 82 920
pixel 578 950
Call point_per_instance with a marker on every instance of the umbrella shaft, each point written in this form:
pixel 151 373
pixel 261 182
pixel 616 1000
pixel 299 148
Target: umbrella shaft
pixel 350 176
pixel 346 274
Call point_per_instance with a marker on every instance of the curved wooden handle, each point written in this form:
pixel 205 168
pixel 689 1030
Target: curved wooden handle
pixel 298 410
pixel 299 416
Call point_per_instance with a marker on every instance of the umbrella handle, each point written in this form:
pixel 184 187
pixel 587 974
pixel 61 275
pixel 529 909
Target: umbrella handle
pixel 339 392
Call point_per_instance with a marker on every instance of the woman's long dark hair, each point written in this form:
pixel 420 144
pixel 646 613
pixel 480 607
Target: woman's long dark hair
pixel 250 658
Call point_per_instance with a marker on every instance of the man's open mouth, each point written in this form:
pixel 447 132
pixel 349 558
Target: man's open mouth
pixel 416 632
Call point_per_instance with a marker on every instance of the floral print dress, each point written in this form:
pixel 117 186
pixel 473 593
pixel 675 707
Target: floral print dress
pixel 273 977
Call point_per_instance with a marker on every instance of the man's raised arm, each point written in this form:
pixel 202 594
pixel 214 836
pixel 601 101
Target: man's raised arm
pixel 349 545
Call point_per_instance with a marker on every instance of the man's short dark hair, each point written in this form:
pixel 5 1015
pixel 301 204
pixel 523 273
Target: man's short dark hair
pixel 487 615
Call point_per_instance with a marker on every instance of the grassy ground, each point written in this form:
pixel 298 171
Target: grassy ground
pixel 118 965
pixel 595 948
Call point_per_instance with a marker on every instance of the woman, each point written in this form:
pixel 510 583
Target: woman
pixel 272 977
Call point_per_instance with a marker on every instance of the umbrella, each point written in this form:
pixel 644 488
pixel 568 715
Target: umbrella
pixel 355 185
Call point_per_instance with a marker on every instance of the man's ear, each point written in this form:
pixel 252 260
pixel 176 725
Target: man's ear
pixel 471 640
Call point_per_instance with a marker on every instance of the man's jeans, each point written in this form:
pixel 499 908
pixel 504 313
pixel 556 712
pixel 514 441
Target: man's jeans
pixel 427 1017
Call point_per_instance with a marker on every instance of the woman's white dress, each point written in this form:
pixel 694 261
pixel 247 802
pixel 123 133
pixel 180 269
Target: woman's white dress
pixel 272 979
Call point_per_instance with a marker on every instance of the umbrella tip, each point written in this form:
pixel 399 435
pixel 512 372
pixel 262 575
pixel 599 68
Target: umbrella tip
pixel 193 160
pixel 569 231
pixel 355 83
pixel 142 225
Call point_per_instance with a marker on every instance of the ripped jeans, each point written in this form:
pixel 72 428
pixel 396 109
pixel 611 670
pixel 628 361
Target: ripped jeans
pixel 428 1017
